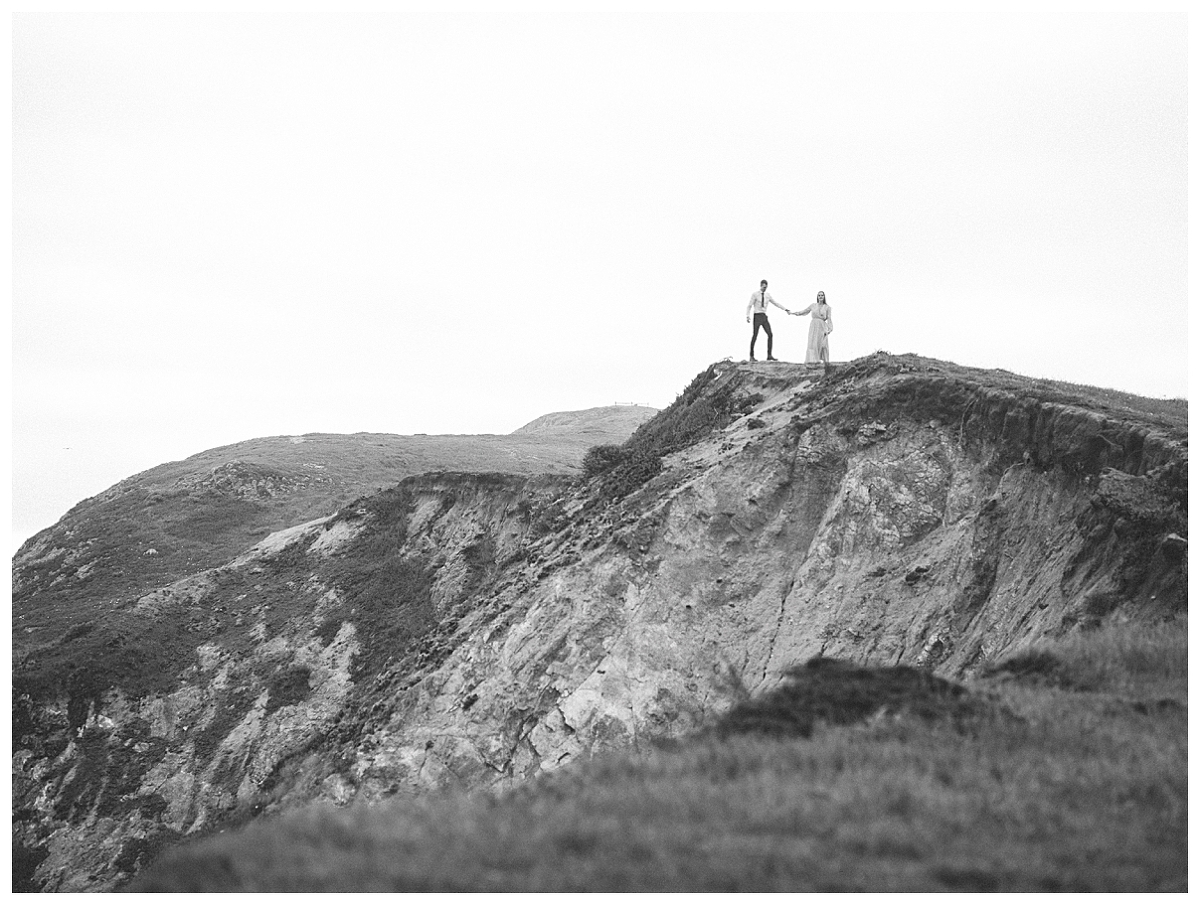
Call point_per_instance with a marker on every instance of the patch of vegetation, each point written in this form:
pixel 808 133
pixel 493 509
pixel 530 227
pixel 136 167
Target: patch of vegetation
pixel 1034 665
pixel 1094 607
pixel 543 515
pixel 25 861
pixel 106 774
pixel 232 704
pixel 135 654
pixel 1146 660
pixel 633 469
pixel 103 644
pixel 1041 423
pixel 386 591
pixel 112 541
pixel 600 459
pixel 705 405
pixel 140 851
pixel 78 632
pixel 839 693
pixel 202 516
pixel 288 686
pixel 1170 415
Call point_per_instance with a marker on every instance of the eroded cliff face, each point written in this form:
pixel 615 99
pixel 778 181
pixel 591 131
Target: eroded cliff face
pixel 474 630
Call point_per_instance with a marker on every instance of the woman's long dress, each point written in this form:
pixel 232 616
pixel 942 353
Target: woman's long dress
pixel 818 332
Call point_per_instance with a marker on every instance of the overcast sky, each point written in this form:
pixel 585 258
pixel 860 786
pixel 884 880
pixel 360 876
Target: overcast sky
pixel 230 226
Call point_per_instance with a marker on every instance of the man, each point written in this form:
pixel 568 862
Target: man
pixel 758 304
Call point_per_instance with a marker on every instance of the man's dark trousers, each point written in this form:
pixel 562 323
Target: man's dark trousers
pixel 760 320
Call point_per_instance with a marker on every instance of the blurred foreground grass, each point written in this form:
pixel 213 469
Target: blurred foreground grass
pixel 1071 776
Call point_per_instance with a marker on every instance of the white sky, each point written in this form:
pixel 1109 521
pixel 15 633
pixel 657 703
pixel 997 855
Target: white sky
pixel 226 227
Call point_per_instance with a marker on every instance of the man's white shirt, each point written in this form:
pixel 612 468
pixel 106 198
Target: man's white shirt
pixel 759 301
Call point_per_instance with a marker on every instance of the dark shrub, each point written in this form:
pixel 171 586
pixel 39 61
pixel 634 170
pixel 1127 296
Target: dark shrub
pixel 600 459
pixel 696 412
pixel 839 693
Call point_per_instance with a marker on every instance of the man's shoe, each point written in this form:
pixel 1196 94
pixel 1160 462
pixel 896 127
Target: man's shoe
pixel 752 358
pixel 772 358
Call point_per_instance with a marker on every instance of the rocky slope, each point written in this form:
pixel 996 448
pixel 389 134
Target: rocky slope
pixel 473 629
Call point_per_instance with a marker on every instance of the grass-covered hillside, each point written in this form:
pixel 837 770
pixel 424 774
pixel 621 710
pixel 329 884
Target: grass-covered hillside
pixel 1063 769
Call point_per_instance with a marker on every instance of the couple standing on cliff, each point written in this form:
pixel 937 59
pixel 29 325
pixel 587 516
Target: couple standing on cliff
pixel 818 330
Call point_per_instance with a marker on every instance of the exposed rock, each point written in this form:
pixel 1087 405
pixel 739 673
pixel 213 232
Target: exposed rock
pixel 1175 547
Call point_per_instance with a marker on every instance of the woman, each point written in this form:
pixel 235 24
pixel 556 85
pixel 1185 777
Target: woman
pixel 818 331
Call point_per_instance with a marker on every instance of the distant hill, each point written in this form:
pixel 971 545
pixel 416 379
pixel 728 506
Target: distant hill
pixel 598 423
